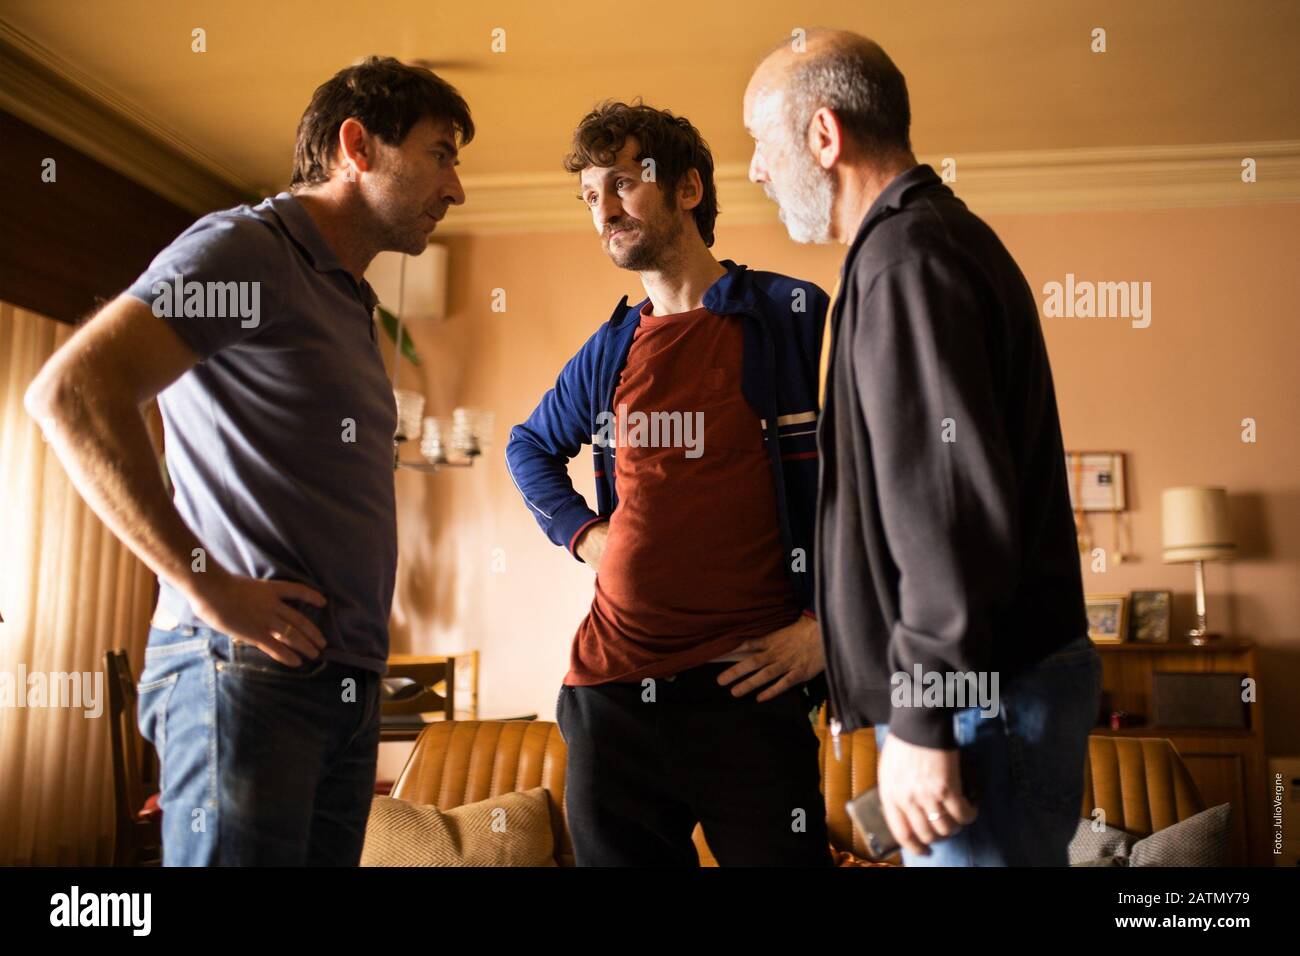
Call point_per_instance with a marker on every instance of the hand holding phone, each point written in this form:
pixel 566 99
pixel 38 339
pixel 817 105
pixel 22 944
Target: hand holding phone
pixel 865 812
pixel 868 816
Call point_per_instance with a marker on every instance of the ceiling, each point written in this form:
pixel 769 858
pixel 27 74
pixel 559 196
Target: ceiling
pixel 996 75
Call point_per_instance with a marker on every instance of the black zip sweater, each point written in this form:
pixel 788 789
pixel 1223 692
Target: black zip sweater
pixel 944 531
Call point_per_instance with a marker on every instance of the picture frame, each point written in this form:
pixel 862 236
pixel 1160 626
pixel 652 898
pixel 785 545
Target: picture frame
pixel 1107 617
pixel 1150 616
pixel 1096 481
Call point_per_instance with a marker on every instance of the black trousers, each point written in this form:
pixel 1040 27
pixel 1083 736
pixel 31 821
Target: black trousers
pixel 646 761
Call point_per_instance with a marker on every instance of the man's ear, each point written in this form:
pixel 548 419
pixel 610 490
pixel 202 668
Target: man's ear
pixel 690 189
pixel 826 138
pixel 355 148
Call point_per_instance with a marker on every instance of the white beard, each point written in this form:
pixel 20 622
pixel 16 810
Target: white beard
pixel 805 203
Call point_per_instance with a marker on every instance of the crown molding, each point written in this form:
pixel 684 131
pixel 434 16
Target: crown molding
pixel 51 94
pixel 1030 181
pixel 47 92
pixel 1127 177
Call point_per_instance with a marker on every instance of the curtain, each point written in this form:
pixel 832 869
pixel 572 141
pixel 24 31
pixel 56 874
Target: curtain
pixel 69 591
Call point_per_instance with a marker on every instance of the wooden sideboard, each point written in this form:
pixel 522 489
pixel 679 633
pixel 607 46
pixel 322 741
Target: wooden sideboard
pixel 1229 766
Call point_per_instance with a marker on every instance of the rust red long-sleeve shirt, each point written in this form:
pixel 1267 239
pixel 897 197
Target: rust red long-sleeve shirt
pixel 692 565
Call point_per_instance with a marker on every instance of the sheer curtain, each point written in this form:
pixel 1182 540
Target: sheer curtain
pixel 69 591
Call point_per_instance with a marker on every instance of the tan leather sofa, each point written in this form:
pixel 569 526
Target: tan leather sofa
pixel 1141 783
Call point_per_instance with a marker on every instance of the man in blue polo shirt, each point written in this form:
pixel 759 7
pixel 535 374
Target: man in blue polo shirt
pixel 277 555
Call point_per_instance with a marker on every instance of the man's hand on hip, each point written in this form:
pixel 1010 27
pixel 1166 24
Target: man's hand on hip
pixel 921 794
pixel 254 611
pixel 790 657
pixel 591 544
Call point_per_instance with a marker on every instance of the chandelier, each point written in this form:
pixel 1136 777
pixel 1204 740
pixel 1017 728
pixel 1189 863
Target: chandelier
pixel 443 442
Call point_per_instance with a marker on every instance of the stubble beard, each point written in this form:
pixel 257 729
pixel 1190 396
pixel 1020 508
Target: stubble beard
pixel 649 250
pixel 394 228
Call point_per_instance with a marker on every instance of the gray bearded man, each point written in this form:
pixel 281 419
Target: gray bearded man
pixel 945 540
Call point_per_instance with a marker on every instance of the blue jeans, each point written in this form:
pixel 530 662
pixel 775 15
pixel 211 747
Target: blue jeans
pixel 1027 761
pixel 261 764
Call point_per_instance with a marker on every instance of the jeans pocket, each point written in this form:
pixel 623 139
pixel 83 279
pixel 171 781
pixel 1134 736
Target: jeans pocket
pixel 248 661
pixel 167 655
pixel 1049 713
pixel 152 698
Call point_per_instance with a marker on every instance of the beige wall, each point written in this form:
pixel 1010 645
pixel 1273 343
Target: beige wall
pixel 1221 347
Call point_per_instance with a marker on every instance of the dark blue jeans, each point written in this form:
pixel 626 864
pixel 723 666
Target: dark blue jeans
pixel 1028 765
pixel 262 764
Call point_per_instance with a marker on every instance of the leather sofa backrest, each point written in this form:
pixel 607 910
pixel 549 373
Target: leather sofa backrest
pixel 465 761
pixel 1140 783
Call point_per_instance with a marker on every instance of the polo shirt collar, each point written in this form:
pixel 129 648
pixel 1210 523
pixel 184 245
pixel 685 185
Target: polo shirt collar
pixel 302 229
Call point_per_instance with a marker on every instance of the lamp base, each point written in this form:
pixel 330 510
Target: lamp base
pixel 1200 638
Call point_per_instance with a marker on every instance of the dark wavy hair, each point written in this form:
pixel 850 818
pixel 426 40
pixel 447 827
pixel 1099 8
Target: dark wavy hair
pixel 387 96
pixel 671 141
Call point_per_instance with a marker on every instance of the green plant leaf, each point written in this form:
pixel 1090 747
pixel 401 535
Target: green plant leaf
pixel 389 322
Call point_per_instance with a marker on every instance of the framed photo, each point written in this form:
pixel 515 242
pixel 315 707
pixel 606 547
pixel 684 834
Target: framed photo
pixel 1106 617
pixel 1096 480
pixel 1149 618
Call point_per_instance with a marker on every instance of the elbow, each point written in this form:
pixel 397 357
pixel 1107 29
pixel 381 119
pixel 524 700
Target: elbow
pixel 37 400
pixel 516 444
pixel 48 398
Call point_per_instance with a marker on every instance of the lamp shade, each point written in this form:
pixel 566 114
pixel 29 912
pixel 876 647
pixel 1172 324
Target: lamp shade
pixel 1196 526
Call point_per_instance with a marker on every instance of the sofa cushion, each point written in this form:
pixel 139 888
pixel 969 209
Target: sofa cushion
pixel 1200 840
pixel 512 829
pixel 1098 846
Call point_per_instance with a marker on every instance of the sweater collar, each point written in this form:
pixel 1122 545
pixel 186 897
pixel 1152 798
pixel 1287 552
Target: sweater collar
pixel 730 294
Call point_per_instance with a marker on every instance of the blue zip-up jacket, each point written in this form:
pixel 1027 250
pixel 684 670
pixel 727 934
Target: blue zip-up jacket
pixel 779 378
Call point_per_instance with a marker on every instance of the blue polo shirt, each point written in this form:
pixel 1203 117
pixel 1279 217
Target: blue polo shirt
pixel 280 440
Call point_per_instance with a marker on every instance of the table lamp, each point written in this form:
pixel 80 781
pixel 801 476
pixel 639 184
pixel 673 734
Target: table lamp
pixel 1196 529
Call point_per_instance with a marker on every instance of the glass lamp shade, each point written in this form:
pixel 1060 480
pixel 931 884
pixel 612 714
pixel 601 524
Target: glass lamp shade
pixel 483 424
pixel 410 407
pixel 436 442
